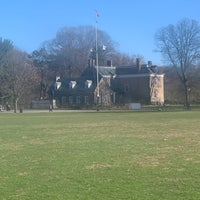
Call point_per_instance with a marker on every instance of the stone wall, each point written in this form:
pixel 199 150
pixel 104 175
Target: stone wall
pixel 157 89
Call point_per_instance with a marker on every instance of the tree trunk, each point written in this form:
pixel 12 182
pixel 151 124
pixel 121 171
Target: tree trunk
pixel 187 96
pixel 15 105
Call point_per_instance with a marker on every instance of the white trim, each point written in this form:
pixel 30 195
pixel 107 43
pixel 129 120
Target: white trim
pixel 106 76
pixel 132 75
pixel 139 75
pixel 107 67
pixel 159 75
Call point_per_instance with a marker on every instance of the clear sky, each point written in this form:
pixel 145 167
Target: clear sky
pixel 130 23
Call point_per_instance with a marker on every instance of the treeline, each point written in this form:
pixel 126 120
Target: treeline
pixel 174 89
pixel 24 77
pixel 18 76
pixel 179 44
pixel 28 76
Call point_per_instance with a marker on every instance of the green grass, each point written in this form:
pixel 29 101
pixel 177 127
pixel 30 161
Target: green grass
pixel 100 156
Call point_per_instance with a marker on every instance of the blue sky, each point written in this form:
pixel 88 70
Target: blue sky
pixel 130 23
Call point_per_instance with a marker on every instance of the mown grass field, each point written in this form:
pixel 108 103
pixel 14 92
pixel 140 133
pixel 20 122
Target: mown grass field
pixel 100 156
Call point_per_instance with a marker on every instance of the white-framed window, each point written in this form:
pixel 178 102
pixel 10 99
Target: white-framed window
pixel 155 93
pixel 78 99
pixel 64 99
pixel 86 100
pixel 70 99
pixel 58 85
pixel 88 83
pixel 72 84
pixel 126 88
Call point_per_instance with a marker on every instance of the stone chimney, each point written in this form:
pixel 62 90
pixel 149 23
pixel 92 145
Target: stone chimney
pixel 138 64
pixel 57 77
pixel 91 62
pixel 150 63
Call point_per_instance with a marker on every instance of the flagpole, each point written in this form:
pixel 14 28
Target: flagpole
pixel 97 61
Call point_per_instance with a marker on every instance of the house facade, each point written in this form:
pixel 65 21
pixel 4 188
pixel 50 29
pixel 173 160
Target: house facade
pixel 73 92
pixel 140 83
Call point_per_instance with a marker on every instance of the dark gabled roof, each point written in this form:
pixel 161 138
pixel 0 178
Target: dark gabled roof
pixel 107 71
pixel 80 84
pixel 134 70
pixel 110 71
pixel 89 73
pixel 125 70
pixel 104 71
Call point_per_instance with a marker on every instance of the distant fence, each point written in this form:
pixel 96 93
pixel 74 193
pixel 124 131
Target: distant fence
pixel 169 107
pixel 40 104
pixel 134 106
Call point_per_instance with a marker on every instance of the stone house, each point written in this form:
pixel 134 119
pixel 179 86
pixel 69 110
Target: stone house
pixel 140 83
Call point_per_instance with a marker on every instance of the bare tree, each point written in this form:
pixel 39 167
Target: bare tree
pixel 173 86
pixel 73 46
pixel 5 47
pixel 194 76
pixel 20 76
pixel 41 60
pixel 122 59
pixel 180 46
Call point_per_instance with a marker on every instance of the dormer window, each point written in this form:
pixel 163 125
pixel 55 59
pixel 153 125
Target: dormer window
pixel 88 83
pixel 58 84
pixel 72 84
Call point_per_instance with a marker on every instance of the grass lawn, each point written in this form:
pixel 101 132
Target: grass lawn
pixel 100 156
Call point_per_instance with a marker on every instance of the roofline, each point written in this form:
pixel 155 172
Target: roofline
pixel 109 67
pixel 161 75
pixel 138 75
